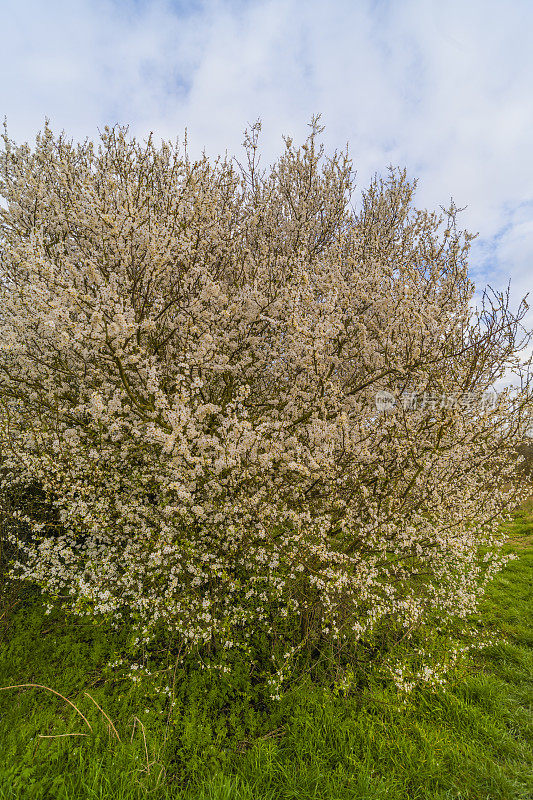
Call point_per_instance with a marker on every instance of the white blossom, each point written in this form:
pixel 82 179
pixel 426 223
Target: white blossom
pixel 189 360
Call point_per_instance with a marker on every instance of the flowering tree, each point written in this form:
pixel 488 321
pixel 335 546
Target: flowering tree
pixel 248 404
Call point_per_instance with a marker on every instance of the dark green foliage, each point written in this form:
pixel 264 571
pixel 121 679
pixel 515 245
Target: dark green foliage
pixel 526 450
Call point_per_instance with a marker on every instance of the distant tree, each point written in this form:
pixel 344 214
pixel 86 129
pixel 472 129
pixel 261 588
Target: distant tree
pixel 525 449
pixel 191 362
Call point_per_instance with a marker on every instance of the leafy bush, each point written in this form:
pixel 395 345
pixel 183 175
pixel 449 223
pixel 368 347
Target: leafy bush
pixel 254 410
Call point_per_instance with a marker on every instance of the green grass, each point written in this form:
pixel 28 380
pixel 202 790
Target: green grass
pixel 223 739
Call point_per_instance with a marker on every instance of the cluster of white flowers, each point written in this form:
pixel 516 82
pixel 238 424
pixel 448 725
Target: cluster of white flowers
pixel 432 670
pixel 189 359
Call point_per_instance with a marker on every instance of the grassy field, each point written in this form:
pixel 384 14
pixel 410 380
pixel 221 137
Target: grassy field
pixel 220 737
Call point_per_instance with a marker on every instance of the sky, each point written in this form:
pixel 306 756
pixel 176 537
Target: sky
pixel 441 88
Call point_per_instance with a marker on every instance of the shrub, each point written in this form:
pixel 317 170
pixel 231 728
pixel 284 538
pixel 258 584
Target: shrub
pixel 191 362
